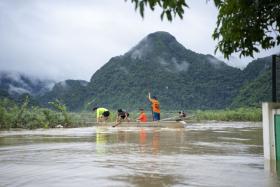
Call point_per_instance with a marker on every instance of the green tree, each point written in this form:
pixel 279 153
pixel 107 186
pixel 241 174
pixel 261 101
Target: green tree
pixel 20 119
pixel 63 109
pixel 170 8
pixel 243 26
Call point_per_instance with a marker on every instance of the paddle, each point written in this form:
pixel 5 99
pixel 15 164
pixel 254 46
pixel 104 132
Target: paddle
pixel 184 118
pixel 151 107
pixel 174 117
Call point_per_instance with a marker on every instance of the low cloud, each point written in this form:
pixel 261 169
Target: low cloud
pixel 17 90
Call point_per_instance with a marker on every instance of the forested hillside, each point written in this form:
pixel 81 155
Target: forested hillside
pixel 179 77
pixel 257 87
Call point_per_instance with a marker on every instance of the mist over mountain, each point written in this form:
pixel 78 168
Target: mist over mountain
pixel 13 84
pixel 234 62
pixel 179 77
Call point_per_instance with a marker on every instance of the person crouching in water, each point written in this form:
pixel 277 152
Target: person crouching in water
pixel 182 116
pixel 155 107
pixel 102 114
pixel 142 117
pixel 121 116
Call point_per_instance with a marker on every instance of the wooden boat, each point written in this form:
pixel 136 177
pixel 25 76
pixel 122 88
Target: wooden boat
pixel 160 124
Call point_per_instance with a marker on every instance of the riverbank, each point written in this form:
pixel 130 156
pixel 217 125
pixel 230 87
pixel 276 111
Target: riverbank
pixel 25 116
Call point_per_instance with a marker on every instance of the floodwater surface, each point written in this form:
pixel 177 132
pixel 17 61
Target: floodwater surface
pixel 207 154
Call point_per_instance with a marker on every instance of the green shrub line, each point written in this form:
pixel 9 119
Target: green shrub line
pixel 239 114
pixel 33 117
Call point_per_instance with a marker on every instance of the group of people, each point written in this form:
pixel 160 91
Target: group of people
pixel 102 114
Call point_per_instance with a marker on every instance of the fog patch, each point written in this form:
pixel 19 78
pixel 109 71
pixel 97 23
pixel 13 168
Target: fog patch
pixel 214 61
pixel 17 90
pixel 141 49
pixel 46 88
pixel 183 66
pixel 124 70
pixel 49 86
pixel 167 66
pixel 63 84
pixel 136 54
pixel 12 75
pixel 84 83
pixel 173 65
pixel 162 61
pixel 234 61
pixel 15 77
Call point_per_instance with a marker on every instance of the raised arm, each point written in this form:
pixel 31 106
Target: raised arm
pixel 149 96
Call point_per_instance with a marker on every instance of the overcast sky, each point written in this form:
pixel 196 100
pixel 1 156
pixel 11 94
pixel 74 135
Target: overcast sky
pixel 71 39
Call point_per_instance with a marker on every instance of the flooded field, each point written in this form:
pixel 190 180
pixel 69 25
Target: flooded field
pixel 212 154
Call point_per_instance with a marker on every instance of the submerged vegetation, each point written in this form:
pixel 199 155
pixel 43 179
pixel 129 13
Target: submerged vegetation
pixel 240 114
pixel 25 116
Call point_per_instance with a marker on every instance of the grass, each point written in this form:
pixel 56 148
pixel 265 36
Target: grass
pixel 239 114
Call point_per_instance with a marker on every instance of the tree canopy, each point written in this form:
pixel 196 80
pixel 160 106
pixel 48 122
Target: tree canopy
pixel 243 26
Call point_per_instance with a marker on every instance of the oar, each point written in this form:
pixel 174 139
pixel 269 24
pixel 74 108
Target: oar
pixel 151 107
pixel 183 120
pixel 189 116
pixel 174 117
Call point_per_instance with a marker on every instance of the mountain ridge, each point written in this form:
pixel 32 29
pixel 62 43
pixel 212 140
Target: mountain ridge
pixel 179 77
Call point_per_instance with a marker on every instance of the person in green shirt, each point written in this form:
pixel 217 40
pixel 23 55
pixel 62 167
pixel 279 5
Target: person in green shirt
pixel 102 114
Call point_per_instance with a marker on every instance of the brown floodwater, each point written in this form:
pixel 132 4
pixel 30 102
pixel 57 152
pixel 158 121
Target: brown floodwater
pixel 206 154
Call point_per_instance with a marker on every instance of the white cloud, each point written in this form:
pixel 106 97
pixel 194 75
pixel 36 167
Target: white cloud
pixel 72 39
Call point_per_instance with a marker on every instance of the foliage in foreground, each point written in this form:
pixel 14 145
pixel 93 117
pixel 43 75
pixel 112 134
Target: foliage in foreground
pixel 30 117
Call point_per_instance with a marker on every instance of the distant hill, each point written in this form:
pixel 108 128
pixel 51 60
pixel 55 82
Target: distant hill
pixel 257 87
pixel 256 68
pixel 70 92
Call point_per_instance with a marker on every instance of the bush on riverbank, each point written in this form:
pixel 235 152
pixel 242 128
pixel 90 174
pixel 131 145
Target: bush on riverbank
pixel 240 114
pixel 31 117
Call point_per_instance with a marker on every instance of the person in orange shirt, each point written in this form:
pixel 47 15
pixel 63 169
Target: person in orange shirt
pixel 142 117
pixel 155 107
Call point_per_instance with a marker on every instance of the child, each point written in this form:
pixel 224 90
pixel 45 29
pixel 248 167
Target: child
pixel 142 117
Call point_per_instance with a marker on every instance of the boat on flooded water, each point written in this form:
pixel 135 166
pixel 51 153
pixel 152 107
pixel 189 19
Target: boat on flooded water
pixel 159 124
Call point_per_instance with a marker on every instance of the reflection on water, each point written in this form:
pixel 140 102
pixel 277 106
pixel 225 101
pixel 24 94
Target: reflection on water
pixel 101 140
pixel 216 154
